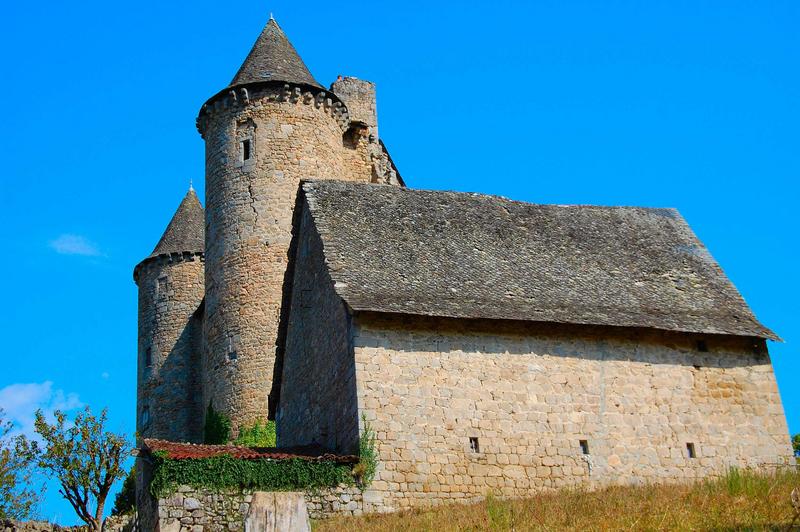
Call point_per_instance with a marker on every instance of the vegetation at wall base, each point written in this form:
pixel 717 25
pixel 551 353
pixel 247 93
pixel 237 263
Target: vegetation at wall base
pixel 261 434
pixel 740 500
pixel 225 472
pixel 364 471
pixel 217 430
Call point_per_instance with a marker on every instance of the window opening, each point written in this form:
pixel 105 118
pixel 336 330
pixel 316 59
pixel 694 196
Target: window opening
pixel 690 452
pixel 474 446
pixel 584 446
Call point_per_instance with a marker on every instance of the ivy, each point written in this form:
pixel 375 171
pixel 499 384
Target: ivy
pixel 226 472
pixel 261 434
pixel 217 430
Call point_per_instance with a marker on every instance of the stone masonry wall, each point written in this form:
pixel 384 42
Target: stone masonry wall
pixel 170 291
pixel 359 97
pixel 249 216
pixel 530 395
pixel 191 509
pixel 318 397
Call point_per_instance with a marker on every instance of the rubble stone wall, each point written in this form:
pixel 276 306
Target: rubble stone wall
pixel 171 290
pixel 190 509
pixel 318 396
pixel 464 408
pixel 291 134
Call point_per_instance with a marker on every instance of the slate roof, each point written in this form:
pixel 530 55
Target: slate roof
pixel 189 451
pixel 187 229
pixel 452 254
pixel 273 58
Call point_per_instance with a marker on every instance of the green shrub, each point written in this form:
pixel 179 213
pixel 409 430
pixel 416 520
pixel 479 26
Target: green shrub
pixel 226 472
pixel 217 430
pixel 368 455
pixel 261 434
pixel 125 500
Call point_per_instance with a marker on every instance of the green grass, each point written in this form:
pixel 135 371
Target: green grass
pixel 739 500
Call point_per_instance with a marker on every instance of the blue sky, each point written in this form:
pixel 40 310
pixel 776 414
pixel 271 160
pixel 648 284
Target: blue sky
pixel 686 104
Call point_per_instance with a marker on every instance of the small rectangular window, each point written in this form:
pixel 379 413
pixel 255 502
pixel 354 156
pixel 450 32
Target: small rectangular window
pixel 231 350
pixel 474 446
pixel 148 357
pixel 584 446
pixel 162 286
pixel 246 152
pixel 690 452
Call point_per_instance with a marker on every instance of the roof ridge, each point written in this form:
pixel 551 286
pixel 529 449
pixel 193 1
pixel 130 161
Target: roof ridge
pixel 411 190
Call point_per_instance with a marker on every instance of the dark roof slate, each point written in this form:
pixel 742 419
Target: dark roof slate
pixel 273 58
pixel 187 229
pixel 451 254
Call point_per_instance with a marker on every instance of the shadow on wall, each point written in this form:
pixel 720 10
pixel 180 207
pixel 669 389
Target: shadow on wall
pixel 587 342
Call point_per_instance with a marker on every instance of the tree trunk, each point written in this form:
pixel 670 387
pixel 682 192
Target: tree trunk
pixel 98 515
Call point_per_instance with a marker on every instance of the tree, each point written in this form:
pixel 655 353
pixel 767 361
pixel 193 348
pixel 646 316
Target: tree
pixel 17 499
pixel 125 501
pixel 796 444
pixel 83 457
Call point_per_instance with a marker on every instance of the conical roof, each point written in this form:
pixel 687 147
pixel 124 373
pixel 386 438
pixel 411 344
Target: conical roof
pixel 187 229
pixel 273 58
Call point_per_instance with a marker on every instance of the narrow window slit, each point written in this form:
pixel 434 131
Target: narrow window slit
pixel 246 150
pixel 584 446
pixel 690 452
pixel 474 446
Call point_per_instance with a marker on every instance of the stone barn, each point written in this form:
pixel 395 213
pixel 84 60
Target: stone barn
pixel 501 346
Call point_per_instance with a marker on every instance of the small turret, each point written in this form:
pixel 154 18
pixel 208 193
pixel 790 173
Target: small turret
pixel 171 287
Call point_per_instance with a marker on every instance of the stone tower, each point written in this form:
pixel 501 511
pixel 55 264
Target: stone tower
pixel 273 126
pixel 170 283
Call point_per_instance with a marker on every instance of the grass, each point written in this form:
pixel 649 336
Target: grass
pixel 740 500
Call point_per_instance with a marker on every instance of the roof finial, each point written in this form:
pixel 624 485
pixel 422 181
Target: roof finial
pixel 270 16
pixel 191 188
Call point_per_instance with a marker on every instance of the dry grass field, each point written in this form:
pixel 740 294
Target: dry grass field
pixel 738 501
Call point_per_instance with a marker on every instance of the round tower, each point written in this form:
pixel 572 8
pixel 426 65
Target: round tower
pixel 171 288
pixel 273 126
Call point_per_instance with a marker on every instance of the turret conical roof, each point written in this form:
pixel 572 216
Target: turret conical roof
pixel 187 229
pixel 273 58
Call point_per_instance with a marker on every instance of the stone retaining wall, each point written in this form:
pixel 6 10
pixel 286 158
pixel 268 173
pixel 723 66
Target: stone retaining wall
pixel 191 509
pixel 120 523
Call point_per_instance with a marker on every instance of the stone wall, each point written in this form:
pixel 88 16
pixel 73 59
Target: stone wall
pixel 318 397
pixel 359 97
pixel 171 290
pixel 190 509
pixel 463 408
pixel 292 134
pixel 121 523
